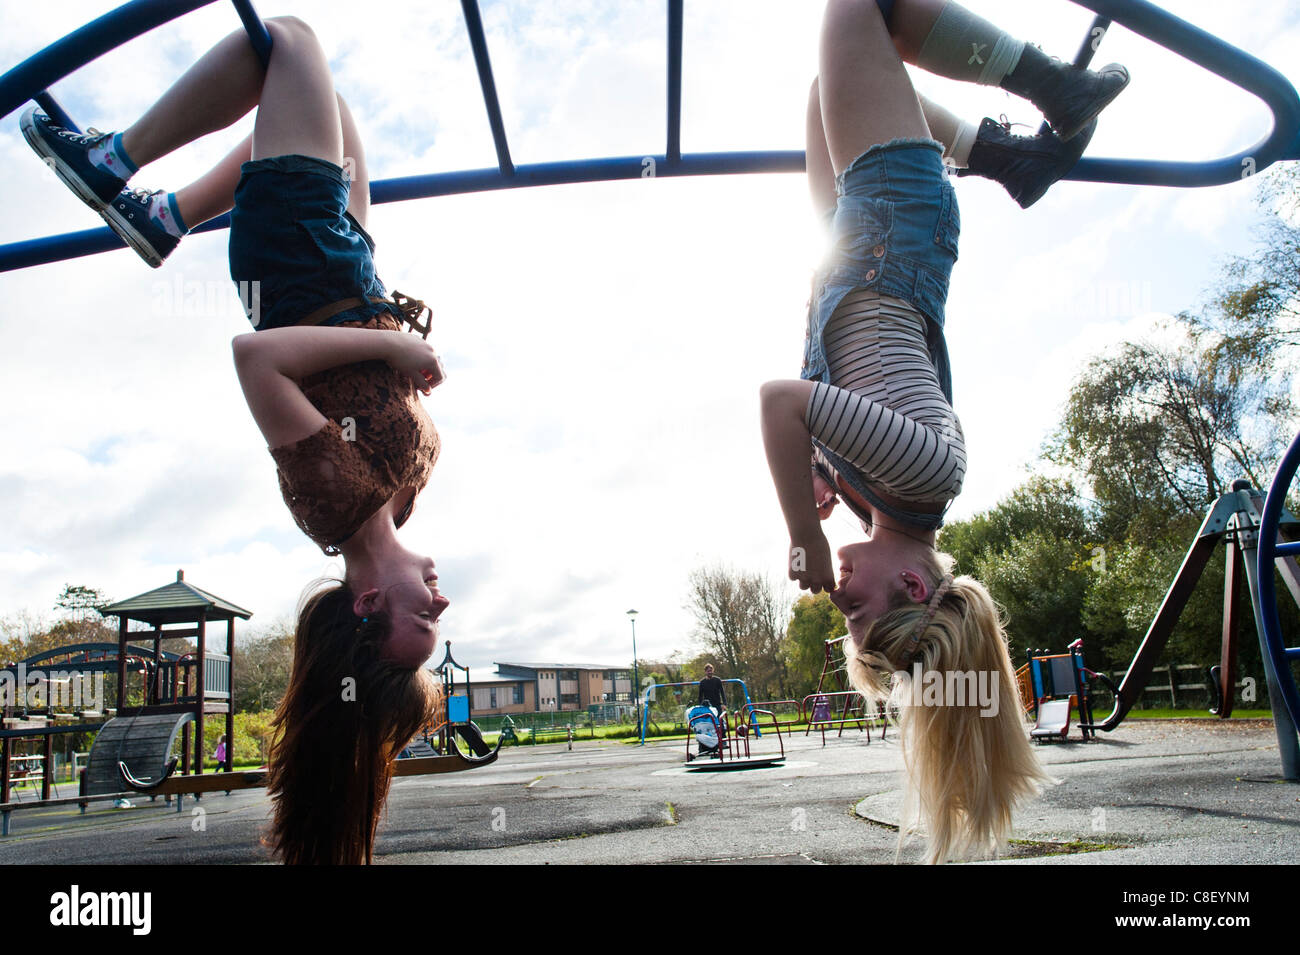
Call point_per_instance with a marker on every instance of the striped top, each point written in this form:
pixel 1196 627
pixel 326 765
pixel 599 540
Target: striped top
pixel 884 410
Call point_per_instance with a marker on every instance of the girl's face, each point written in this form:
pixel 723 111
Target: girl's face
pixel 411 599
pixel 868 586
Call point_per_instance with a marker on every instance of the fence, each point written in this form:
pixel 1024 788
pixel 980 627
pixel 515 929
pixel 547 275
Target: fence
pixel 1174 693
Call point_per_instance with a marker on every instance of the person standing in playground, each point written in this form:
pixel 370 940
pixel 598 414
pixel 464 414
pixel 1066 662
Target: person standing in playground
pixel 873 406
pixel 333 384
pixel 712 693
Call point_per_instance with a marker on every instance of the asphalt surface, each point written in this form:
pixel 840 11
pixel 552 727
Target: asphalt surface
pixel 1152 792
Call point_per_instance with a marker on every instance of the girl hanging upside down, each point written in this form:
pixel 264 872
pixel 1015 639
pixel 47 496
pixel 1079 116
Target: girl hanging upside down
pixel 874 404
pixel 333 383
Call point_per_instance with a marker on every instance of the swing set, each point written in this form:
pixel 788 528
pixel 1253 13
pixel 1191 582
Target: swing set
pixel 1253 532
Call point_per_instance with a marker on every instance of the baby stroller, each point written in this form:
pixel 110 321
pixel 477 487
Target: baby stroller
pixel 703 720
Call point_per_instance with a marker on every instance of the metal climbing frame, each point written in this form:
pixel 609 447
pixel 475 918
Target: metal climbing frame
pixel 1278 658
pixel 32 79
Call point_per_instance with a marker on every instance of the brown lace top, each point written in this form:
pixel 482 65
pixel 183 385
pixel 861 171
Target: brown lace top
pixel 378 440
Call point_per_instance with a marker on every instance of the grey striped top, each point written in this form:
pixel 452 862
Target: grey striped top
pixel 885 411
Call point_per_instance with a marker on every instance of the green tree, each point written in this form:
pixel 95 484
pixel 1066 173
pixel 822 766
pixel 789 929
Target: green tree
pixel 740 620
pixel 1162 428
pixel 261 668
pixel 1040 581
pixel 813 621
pixel 1042 504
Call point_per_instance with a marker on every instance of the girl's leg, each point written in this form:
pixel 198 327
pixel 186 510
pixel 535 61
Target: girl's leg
pixel 945 38
pixel 821 177
pixel 212 94
pixel 213 193
pixel 956 134
pixel 866 95
pixel 298 112
pixel 354 164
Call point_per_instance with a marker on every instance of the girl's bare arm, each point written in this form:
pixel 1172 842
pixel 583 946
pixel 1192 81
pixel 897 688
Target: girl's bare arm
pixel 271 363
pixel 789 447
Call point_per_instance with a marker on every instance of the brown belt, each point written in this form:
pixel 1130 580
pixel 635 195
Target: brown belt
pixel 412 309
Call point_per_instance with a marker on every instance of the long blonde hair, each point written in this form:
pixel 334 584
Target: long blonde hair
pixel 969 761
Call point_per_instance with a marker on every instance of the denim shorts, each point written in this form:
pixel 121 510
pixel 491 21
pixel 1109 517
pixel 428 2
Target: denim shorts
pixel 894 229
pixel 291 233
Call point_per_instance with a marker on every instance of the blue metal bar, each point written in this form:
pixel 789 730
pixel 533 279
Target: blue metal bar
pixel 478 42
pixel 1276 655
pixel 34 76
pixel 39 72
pixel 1087 50
pixel 1286 550
pixel 1218 57
pixel 53 110
pixel 675 19
pixel 258 35
pixel 19 255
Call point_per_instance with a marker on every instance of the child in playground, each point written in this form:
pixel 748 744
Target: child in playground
pixel 333 384
pixel 874 405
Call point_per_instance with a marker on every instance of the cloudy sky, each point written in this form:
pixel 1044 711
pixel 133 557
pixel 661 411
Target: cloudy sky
pixel 604 343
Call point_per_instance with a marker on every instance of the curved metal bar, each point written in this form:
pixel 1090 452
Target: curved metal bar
pixel 34 76
pixel 1281 655
pixel 1234 65
pixel 71 245
pixel 39 72
pixel 140 785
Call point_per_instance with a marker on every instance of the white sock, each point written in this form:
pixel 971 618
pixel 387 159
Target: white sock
pixel 163 210
pixel 956 134
pixel 111 157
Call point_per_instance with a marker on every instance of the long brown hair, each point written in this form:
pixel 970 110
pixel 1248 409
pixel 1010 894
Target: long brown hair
pixel 346 715
pixel 968 764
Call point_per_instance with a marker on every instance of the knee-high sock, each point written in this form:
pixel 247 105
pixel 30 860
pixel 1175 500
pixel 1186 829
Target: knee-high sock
pixel 963 46
pixel 956 134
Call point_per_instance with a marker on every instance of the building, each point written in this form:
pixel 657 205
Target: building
pixel 549 687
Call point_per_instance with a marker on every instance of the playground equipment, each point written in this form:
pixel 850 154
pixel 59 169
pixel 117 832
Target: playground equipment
pixel 651 690
pixel 32 79
pixel 1234 518
pixel 730 742
pixel 1050 678
pixel 457 722
pixel 818 708
pixel 132 752
pixel 1053 721
pixel 1279 660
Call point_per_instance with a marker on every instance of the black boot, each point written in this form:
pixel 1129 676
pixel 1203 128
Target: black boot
pixel 1026 165
pixel 1068 97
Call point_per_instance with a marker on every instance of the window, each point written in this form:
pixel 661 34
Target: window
pixel 518 696
pixel 494 697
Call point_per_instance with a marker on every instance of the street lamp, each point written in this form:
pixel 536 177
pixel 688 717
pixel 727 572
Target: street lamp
pixel 636 679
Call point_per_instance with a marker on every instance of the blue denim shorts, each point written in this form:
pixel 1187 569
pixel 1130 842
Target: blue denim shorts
pixel 290 231
pixel 894 229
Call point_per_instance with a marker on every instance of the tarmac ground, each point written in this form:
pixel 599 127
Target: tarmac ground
pixel 1185 791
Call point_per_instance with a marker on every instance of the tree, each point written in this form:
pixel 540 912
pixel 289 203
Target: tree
pixel 1040 581
pixel 1253 317
pixel 813 621
pixel 1045 505
pixel 1161 429
pixel 740 619
pixel 262 667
